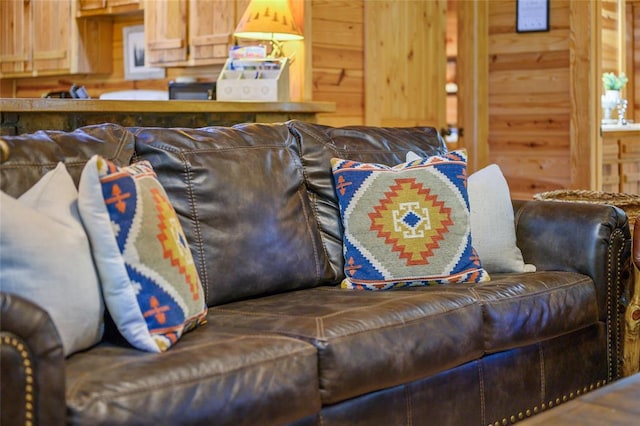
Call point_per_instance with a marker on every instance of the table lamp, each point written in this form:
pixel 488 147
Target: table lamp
pixel 269 20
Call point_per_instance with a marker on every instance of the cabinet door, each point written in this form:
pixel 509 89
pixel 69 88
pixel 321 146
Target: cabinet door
pixel 630 163
pixel 92 4
pixel 106 7
pixel 15 43
pixel 610 165
pixel 118 3
pixel 211 26
pixel 165 27
pixel 51 35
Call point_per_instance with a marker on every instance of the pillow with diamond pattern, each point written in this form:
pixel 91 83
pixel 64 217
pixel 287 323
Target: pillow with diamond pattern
pixel 406 225
pixel 149 281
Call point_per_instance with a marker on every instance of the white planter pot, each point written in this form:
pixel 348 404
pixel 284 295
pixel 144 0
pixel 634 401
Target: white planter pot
pixel 609 101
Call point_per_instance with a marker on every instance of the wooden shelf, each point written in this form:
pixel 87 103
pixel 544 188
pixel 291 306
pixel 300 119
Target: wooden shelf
pixel 104 105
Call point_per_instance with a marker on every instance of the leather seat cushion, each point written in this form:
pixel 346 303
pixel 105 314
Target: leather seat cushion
pixel 368 341
pixel 358 333
pixel 239 377
pixel 524 308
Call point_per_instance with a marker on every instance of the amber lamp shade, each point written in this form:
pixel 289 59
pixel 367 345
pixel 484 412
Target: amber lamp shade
pixel 270 20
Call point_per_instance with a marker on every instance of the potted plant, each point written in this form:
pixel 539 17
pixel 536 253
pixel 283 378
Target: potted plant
pixel 613 82
pixel 612 86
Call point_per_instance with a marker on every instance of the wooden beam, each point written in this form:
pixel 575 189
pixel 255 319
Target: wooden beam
pixel 473 77
pixel 585 70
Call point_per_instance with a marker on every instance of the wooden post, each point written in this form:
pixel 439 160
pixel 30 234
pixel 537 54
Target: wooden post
pixel 631 355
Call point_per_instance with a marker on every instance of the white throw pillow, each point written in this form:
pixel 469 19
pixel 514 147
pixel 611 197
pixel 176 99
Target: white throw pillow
pixel 45 257
pixel 492 222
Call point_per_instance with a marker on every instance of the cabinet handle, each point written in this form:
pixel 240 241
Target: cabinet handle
pixel 211 39
pixel 50 54
pixel 630 177
pixel 175 43
pixel 13 58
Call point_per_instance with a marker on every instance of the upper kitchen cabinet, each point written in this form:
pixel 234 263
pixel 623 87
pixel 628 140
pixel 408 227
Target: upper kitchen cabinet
pixel 189 32
pixel 42 37
pixel 108 7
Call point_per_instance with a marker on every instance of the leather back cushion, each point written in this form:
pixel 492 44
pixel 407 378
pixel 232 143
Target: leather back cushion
pixel 318 144
pixel 256 201
pixel 239 193
pixel 32 155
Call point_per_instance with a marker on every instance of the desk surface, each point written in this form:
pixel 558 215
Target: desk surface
pixel 187 106
pixel 617 128
pixel 27 115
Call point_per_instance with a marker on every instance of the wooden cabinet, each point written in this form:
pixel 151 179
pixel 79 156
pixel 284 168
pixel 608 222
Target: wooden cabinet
pixel 42 37
pixel 15 46
pixel 107 7
pixel 190 32
pixel 610 165
pixel 630 163
pixel 621 159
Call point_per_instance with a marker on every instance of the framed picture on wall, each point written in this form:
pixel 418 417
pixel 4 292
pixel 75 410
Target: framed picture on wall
pixel 134 68
pixel 532 15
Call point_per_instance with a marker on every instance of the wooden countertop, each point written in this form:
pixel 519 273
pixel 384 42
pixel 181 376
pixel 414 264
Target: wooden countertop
pixel 610 128
pixel 103 105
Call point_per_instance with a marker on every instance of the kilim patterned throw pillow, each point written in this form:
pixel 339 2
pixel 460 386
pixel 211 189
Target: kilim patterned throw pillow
pixel 406 225
pixel 149 280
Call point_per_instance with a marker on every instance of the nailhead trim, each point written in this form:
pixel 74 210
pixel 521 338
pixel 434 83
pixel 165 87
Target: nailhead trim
pixel 614 317
pixel 544 406
pixel 28 371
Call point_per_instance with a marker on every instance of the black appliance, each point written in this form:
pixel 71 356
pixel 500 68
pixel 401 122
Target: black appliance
pixel 192 90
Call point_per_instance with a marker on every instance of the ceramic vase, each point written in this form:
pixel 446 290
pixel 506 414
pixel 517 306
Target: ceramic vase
pixel 609 101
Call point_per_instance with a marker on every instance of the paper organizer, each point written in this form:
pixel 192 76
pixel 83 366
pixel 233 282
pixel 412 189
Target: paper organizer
pixel 254 80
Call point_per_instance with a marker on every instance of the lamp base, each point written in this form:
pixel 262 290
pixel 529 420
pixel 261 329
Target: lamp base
pixel 276 49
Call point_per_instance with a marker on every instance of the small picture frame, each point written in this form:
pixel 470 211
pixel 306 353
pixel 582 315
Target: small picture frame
pixel 133 44
pixel 532 16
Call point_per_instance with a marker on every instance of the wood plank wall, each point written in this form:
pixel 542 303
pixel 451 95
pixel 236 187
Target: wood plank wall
pixel 633 57
pixel 338 59
pixel 610 38
pixel 405 63
pixel 529 100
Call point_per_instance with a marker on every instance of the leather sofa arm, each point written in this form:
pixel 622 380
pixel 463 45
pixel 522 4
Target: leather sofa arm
pixel 32 381
pixel 592 239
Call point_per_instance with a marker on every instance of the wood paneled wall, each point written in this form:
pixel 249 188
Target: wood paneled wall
pixel 405 67
pixel 632 43
pixel 529 100
pixel 338 59
pixel 611 55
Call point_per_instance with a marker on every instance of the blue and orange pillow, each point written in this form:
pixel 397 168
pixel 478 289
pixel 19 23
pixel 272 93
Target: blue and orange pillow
pixel 406 225
pixel 149 280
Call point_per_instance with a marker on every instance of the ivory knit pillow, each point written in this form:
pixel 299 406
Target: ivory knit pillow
pixel 45 257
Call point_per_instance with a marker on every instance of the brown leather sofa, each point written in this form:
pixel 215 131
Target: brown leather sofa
pixel 283 343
